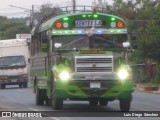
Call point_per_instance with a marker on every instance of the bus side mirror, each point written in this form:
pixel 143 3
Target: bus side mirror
pixel 126 44
pixel 58 45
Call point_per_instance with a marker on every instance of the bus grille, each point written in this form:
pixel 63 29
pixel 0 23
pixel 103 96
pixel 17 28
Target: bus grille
pixel 94 64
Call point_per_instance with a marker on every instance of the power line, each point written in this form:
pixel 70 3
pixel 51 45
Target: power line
pixel 31 11
pixel 15 13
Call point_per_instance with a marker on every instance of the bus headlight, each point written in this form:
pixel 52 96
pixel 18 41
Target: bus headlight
pixel 64 75
pixel 123 74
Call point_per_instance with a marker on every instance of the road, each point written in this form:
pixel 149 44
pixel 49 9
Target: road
pixel 15 99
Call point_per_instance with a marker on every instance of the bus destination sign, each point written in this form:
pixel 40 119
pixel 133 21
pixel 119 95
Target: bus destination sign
pixel 92 52
pixel 88 23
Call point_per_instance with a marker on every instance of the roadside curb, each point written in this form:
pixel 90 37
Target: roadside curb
pixel 148 89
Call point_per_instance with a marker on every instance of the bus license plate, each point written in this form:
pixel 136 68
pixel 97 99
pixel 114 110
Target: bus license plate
pixel 88 23
pixel 95 85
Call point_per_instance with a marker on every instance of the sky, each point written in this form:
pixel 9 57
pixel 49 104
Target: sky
pixel 8 11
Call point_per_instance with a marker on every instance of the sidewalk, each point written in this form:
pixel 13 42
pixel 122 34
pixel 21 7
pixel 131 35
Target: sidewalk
pixel 147 88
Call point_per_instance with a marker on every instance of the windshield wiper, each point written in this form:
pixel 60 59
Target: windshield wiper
pixel 71 42
pixel 105 40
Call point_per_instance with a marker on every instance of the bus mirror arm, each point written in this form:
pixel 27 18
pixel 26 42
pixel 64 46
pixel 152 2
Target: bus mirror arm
pixel 130 49
pixel 128 46
pixel 58 45
pixel 76 49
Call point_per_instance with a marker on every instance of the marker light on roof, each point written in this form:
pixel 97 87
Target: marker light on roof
pixel 119 31
pixel 120 24
pixel 111 31
pixel 65 18
pixel 99 31
pixel 95 16
pixel 79 31
pixel 113 24
pixel 83 15
pixel 73 31
pixel 65 25
pixel 58 25
pixel 66 31
pixel 113 19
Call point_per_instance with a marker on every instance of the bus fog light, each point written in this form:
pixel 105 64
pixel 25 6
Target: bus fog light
pixel 64 75
pixel 123 74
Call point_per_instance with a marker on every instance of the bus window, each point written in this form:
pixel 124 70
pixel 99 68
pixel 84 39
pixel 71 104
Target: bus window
pixel 44 41
pixel 72 41
pixel 107 41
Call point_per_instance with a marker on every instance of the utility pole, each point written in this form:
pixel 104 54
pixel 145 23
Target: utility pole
pixel 74 6
pixel 31 11
pixel 32 17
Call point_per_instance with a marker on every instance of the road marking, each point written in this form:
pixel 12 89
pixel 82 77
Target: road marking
pixel 20 90
pixel 33 109
pixel 54 118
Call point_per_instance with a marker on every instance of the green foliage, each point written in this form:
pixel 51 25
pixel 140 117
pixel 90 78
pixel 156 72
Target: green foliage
pixel 143 21
pixel 149 42
pixel 10 27
pixel 156 80
pixel 46 9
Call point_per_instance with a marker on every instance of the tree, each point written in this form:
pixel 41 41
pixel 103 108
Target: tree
pixel 46 9
pixel 10 27
pixel 143 21
pixel 147 30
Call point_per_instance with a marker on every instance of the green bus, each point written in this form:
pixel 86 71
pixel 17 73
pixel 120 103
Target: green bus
pixel 81 56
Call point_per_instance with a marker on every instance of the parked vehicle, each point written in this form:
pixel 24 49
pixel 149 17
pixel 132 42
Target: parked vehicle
pixel 14 55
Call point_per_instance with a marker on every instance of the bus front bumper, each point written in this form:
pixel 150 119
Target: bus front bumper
pixel 82 90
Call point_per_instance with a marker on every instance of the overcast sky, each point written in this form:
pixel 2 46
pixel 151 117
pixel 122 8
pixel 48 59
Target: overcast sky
pixel 6 10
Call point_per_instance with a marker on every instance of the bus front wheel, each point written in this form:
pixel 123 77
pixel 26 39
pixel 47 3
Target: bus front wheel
pixel 125 104
pixel 57 103
pixel 39 97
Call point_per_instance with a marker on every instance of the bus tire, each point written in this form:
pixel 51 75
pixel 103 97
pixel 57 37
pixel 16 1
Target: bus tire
pixel 25 84
pixel 49 101
pixel 93 102
pixel 39 97
pixel 125 104
pixel 103 102
pixel 3 86
pixel 57 103
pixel 20 85
pixel 34 85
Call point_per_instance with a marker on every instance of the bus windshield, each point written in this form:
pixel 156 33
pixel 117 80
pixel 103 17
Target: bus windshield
pixel 103 41
pixel 12 61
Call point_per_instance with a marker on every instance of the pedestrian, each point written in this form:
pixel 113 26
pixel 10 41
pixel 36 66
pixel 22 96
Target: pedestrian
pixel 150 71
